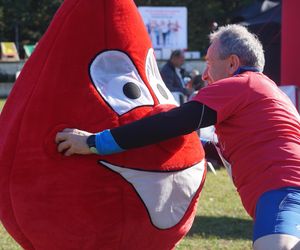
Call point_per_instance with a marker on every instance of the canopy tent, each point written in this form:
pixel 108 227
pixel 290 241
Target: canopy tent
pixel 259 12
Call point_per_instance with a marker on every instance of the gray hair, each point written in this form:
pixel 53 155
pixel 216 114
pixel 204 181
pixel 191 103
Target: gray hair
pixel 236 39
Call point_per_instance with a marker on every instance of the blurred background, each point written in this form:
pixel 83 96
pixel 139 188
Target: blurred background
pixel 172 24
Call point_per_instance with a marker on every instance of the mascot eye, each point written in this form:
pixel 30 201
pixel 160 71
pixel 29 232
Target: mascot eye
pixel 162 93
pixel 116 79
pixel 131 90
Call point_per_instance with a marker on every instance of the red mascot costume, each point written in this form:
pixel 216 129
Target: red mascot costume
pixel 94 69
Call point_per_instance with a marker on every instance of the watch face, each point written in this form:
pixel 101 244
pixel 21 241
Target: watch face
pixel 91 142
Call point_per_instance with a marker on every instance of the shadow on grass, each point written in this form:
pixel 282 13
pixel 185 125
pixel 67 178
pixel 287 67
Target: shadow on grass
pixel 223 227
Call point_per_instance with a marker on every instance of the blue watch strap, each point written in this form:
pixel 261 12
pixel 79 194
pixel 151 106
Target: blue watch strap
pixel 106 144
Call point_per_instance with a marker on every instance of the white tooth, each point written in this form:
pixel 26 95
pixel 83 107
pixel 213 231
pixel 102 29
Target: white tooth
pixel 166 195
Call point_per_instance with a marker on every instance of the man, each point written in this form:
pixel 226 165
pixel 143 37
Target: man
pixel 173 74
pixel 258 130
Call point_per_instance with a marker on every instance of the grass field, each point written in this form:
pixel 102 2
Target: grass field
pixel 221 222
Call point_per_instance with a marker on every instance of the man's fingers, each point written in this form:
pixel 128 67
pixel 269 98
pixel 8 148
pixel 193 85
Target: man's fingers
pixel 61 136
pixel 72 141
pixel 63 146
pixel 69 130
pixel 64 135
pixel 69 152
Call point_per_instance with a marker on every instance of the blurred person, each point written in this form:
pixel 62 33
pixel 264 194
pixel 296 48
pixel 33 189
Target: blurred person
pixel 194 72
pixel 155 30
pixel 197 83
pixel 192 75
pixel 175 32
pixel 173 74
pixel 258 131
pixel 165 32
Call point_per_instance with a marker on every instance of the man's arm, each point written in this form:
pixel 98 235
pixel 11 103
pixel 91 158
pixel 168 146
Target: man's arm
pixel 150 130
pixel 153 129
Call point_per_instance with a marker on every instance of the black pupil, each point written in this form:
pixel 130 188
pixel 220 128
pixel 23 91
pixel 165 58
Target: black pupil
pixel 162 91
pixel 131 90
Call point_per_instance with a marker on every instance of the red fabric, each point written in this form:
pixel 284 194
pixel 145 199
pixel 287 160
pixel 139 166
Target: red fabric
pixel 258 130
pixel 48 201
pixel 290 40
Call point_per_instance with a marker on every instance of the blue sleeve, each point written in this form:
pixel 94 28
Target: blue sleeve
pixel 106 144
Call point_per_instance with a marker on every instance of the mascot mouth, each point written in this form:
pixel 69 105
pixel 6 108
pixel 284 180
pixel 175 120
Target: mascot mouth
pixel 166 195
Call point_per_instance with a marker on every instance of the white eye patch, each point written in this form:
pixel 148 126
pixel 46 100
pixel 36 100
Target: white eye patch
pixel 162 93
pixel 118 82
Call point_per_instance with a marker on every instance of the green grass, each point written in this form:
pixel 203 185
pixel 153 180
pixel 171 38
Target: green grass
pixel 221 222
pixel 6 242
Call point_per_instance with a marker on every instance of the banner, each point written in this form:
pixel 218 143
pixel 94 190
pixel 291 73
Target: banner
pixel 167 26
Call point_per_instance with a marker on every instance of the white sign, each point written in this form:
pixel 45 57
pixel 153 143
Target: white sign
pixel 167 26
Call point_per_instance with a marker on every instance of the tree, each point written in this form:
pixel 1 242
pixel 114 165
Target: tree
pixel 25 21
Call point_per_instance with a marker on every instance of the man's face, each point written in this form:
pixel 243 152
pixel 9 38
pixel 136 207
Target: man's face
pixel 179 61
pixel 216 68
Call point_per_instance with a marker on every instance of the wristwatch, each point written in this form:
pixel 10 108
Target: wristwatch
pixel 91 142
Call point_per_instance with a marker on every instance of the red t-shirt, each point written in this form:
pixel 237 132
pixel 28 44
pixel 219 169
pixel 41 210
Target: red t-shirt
pixel 258 130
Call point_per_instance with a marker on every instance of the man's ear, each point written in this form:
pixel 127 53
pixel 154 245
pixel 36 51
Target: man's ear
pixel 234 64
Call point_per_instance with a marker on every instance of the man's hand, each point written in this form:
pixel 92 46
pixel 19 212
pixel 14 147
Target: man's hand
pixel 72 141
